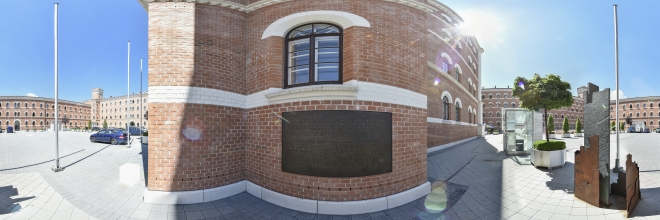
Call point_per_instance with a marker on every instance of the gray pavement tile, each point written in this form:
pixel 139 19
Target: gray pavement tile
pixel 194 215
pixel 360 217
pixel 305 215
pixel 283 217
pixel 323 217
pixel 176 215
pixel 140 214
pixel 205 206
pixel 61 216
pixel 190 208
pixel 224 210
pixel 267 214
pixel 210 213
pixel 157 215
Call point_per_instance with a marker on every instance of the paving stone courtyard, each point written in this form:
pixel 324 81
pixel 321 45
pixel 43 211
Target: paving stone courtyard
pixel 473 180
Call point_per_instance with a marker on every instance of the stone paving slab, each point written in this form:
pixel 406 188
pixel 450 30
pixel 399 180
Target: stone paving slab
pixel 473 180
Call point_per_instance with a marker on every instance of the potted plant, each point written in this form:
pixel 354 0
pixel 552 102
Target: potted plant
pixel 496 131
pixel 578 128
pixel 548 154
pixel 145 137
pixel 551 127
pixel 564 128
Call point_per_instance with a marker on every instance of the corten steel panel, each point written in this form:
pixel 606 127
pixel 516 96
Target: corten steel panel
pixel 597 122
pixel 337 143
pixel 633 192
pixel 587 177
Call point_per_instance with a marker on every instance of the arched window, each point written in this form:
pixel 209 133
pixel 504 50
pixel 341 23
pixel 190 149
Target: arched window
pixel 33 123
pixel 33 106
pixel 611 108
pixel 498 104
pixel 651 106
pixel 630 114
pixel 445 107
pixel 624 107
pixel 490 96
pixel 562 116
pixel 26 105
pixel 41 114
pixel 498 95
pixel 644 114
pixel 651 114
pixel 41 105
pixel 637 115
pixel 457 72
pixel 505 104
pixel 314 55
pixel 497 114
pixel 490 114
pixel 506 96
pixel 513 105
pixel 458 112
pixel 33 114
pixel 47 114
pixel 644 105
pixel 490 105
pixel 26 122
pixel 630 106
pixel 498 124
pixel 483 96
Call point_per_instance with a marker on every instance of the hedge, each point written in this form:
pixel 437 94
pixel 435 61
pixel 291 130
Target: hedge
pixel 549 146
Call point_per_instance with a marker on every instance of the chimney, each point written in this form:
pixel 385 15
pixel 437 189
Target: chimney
pixel 495 87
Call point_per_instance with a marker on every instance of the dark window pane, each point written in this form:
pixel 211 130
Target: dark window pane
pixel 297 45
pixel 299 58
pixel 325 29
pixel 301 31
pixel 299 74
pixel 332 41
pixel 327 55
pixel 327 72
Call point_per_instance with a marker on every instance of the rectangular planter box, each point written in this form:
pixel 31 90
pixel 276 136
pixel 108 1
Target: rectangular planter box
pixel 579 134
pixel 567 135
pixel 548 159
pixel 144 140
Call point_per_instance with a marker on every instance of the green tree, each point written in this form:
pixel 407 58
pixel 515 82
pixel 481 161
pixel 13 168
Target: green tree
pixel 551 124
pixel 105 124
pixel 578 126
pixel 622 126
pixel 564 126
pixel 89 124
pixel 546 93
pixel 612 126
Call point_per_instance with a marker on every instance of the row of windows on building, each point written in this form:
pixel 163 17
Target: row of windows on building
pixel 41 105
pixel 448 35
pixel 457 114
pixel 115 116
pixel 630 106
pixel 133 101
pixel 125 109
pixel 497 105
pixel 636 114
pixel 41 123
pixel 41 114
pixel 506 96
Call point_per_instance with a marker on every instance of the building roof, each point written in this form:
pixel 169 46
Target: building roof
pixel 638 99
pixel 39 99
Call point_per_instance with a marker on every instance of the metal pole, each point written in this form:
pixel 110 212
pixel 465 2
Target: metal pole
pixel 140 101
pixel 128 97
pixel 57 167
pixel 616 66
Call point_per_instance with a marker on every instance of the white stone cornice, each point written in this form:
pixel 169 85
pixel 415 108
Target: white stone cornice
pixel 446 10
pixel 452 79
pixel 313 93
pixel 264 3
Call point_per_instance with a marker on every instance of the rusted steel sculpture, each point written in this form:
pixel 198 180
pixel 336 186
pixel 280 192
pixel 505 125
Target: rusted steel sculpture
pixel 597 122
pixel 633 192
pixel 587 175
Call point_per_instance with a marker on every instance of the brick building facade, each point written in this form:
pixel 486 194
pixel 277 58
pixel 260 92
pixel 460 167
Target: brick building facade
pixel 38 113
pixel 494 99
pixel 221 74
pixel 642 110
pixel 116 110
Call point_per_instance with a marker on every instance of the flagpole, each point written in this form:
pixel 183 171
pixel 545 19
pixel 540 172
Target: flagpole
pixel 128 97
pixel 57 167
pixel 616 66
pixel 141 103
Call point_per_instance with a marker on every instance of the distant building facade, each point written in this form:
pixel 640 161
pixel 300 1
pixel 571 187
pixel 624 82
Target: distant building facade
pixel 494 99
pixel 117 111
pixel 644 110
pixel 27 112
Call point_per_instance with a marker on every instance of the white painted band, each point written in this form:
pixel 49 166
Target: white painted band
pixel 437 148
pixel 351 90
pixel 290 202
pixel 283 25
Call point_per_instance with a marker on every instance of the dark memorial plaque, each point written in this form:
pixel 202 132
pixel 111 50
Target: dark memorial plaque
pixel 337 143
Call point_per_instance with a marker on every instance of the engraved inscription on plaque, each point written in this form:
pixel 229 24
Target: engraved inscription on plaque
pixel 337 143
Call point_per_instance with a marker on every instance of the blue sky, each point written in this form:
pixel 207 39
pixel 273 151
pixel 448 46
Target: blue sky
pixel 93 51
pixel 573 39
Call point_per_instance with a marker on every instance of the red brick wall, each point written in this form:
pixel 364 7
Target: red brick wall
pixel 439 134
pixel 179 160
pixel 264 152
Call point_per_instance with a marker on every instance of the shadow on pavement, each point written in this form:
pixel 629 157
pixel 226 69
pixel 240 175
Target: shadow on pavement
pixel 7 204
pixel 145 162
pixel 81 159
pixel 42 162
pixel 562 178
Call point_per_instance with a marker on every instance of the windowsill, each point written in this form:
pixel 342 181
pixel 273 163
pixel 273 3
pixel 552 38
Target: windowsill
pixel 313 93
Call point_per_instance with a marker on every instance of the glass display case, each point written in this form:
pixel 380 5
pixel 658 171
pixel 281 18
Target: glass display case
pixel 518 129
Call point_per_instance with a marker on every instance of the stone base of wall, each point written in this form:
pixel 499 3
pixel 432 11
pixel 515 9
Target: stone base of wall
pixel 290 202
pixel 445 133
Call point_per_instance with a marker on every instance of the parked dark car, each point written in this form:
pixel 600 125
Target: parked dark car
pixel 134 130
pixel 113 136
pixel 657 130
pixel 647 130
pixel 630 130
pixel 10 129
pixel 96 129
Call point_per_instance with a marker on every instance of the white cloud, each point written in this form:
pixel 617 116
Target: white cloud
pixel 32 95
pixel 613 95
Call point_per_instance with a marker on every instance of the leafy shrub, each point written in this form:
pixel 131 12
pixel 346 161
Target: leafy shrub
pixel 549 146
pixel 146 133
pixel 578 126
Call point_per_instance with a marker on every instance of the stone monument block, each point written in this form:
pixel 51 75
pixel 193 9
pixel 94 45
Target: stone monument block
pixel 597 122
